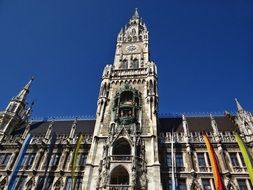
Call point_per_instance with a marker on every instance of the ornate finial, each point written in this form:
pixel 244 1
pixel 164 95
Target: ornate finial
pixel 136 14
pixel 238 105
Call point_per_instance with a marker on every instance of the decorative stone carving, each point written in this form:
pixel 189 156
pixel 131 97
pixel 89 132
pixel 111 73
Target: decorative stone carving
pixel 58 184
pixel 31 183
pixel 195 185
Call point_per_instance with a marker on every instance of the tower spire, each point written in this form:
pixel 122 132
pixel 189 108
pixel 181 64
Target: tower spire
pixel 238 105
pixel 23 93
pixel 136 14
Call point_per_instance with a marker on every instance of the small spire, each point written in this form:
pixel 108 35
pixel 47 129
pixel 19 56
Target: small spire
pixel 183 117
pixel 238 105
pixel 136 14
pixel 23 93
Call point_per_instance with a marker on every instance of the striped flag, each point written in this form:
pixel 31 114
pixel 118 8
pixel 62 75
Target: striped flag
pixel 74 158
pixel 50 152
pixel 246 157
pixel 216 173
pixel 19 160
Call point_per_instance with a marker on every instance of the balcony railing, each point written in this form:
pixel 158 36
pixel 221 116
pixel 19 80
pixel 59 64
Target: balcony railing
pixel 121 157
pixel 239 169
pixel 205 169
pixel 128 72
pixel 119 187
pixel 196 137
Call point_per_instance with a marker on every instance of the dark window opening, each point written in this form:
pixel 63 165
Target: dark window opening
pixel 119 176
pixel 126 98
pixel 122 147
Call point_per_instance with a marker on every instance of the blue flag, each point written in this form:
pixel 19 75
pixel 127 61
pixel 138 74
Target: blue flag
pixel 18 162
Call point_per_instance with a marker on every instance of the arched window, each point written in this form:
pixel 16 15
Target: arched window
pixel 119 175
pixel 133 31
pixel 126 97
pixel 121 147
pixel 124 64
pixel 135 64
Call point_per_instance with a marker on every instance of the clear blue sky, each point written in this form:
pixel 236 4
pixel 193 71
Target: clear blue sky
pixel 203 50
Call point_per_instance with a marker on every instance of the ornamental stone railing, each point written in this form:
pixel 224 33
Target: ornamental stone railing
pixel 239 169
pixel 121 157
pixel 196 137
pixel 11 139
pixel 119 187
pixel 205 169
pixel 129 72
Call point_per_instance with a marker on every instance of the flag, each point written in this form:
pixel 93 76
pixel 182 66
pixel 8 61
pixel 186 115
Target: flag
pixel 245 154
pixel 19 160
pixel 172 162
pixel 50 152
pixel 74 158
pixel 214 163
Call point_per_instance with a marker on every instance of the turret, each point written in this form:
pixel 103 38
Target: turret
pixel 17 112
pixel 132 45
pixel 244 120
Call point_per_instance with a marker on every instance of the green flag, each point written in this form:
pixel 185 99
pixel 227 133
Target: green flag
pixel 246 156
pixel 74 158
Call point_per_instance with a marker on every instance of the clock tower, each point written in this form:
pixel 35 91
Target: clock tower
pixel 132 45
pixel 124 150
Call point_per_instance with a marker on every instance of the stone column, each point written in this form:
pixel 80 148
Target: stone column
pixel 189 158
pixel 12 160
pixel 63 159
pixel 37 159
pixel 222 157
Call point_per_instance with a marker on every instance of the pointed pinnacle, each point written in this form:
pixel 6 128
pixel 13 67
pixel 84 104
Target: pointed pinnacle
pixel 27 86
pixel 23 93
pixel 238 105
pixel 136 14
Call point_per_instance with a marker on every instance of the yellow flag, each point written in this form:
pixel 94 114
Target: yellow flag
pixel 74 158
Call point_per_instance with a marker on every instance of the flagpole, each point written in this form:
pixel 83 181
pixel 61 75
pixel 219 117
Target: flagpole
pixel 172 161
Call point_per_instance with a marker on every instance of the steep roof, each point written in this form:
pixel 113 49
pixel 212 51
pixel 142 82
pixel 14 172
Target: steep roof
pixel 60 127
pixel 195 123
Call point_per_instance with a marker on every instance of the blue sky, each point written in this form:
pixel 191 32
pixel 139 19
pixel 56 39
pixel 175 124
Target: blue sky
pixel 203 50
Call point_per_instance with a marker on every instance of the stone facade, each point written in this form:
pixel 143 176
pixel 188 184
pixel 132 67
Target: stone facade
pixel 127 145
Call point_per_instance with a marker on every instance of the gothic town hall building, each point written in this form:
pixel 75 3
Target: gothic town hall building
pixel 127 146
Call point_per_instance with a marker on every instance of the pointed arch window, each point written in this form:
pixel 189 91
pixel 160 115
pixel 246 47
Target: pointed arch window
pixel 121 147
pixel 119 175
pixel 124 64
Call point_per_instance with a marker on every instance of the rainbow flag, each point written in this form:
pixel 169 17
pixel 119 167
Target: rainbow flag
pixel 246 157
pixel 75 154
pixel 216 173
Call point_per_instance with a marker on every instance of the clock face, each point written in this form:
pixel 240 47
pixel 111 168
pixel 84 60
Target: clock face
pixel 131 48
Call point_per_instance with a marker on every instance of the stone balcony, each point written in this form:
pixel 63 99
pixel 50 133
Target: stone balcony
pixel 129 72
pixel 119 187
pixel 121 158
